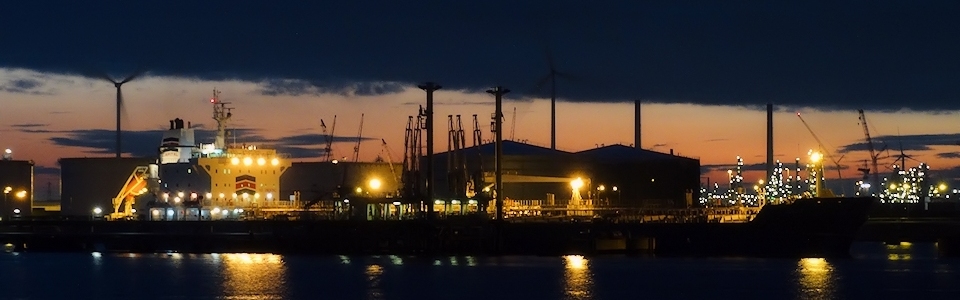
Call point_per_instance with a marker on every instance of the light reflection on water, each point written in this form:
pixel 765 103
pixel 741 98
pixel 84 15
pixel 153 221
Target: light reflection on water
pixel 373 273
pixel 253 276
pixel 578 282
pixel 816 279
pixel 268 276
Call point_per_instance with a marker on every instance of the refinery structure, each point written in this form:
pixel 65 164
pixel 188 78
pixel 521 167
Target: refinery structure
pixel 806 179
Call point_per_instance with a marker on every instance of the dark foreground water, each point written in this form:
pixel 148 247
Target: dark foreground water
pixel 877 271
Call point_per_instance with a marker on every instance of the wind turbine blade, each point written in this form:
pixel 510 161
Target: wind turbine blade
pixel 567 76
pixel 543 80
pixel 549 55
pixel 133 76
pixel 102 75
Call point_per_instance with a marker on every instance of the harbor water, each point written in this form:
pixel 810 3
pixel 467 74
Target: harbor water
pixel 876 271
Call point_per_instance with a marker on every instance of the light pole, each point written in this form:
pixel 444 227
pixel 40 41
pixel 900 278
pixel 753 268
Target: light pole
pixel 6 201
pixel 619 200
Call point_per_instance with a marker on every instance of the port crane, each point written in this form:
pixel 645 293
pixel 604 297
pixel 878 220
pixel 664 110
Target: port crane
pixel 826 152
pixel 873 154
pixel 356 149
pixel 396 177
pixel 328 138
pixel 135 185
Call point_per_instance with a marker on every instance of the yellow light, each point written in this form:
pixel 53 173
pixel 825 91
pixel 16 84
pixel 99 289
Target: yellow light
pixel 601 188
pixel 576 183
pixel 256 195
pixel 234 195
pixel 359 190
pixel 760 182
pixel 209 195
pixel 575 262
pixel 7 190
pixel 261 161
pixel 180 194
pixel 21 194
pixel 615 188
pixel 816 157
pixel 247 161
pixel 235 161
pixel 274 161
pixel 893 185
pixel 269 196
pixel 97 210
pixel 374 184
pixel 943 187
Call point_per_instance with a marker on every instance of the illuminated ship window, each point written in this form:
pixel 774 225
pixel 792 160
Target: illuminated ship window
pixel 189 171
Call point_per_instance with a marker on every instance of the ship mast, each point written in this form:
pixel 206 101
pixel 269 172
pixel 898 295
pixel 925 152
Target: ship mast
pixel 221 113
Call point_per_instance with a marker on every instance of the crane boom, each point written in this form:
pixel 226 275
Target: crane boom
pixel 873 155
pixel 356 149
pixel 396 177
pixel 826 152
pixel 328 138
pixel 135 185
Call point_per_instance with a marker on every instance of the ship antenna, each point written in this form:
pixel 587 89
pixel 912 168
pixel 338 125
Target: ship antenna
pixel 221 113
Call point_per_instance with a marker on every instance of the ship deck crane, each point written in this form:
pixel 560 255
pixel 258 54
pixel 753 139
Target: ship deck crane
pixel 873 154
pixel 135 185
pixel 826 152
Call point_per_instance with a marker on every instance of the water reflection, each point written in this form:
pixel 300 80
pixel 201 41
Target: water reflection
pixel 374 273
pixel 816 278
pixel 901 251
pixel 578 281
pixel 253 276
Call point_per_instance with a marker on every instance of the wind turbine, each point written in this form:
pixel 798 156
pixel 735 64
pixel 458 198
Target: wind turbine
pixel 552 77
pixel 118 84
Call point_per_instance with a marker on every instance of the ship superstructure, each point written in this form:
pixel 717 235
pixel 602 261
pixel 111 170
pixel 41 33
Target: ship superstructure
pixel 216 180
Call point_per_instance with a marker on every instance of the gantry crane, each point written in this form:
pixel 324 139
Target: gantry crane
pixel 873 154
pixel 826 152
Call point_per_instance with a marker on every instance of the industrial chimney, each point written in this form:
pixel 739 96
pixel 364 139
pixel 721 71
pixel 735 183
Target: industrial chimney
pixel 636 120
pixel 769 141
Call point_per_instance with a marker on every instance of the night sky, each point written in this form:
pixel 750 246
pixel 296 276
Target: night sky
pixel 704 70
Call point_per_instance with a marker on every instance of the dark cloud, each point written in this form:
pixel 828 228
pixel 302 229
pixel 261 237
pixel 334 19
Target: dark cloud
pixel 894 143
pixel 716 140
pixel 725 167
pixel 949 155
pixel 23 86
pixel 294 87
pixel 146 142
pixel 29 125
pixel 315 139
pixel 841 54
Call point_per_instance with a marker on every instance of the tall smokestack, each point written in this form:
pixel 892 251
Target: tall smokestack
pixel 769 141
pixel 636 121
